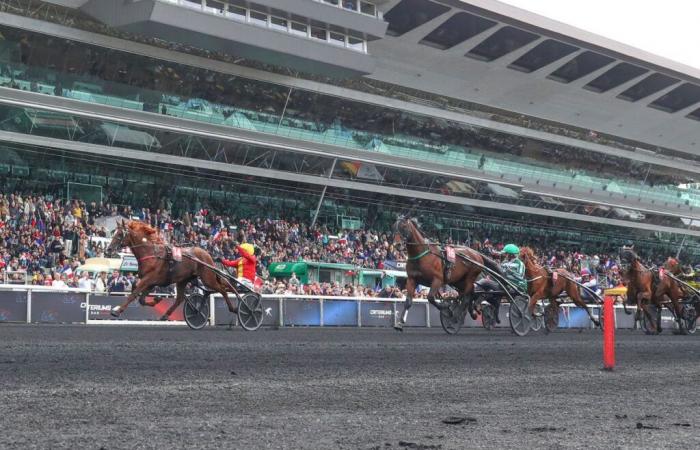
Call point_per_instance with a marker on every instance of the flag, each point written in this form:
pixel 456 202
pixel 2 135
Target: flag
pixel 362 170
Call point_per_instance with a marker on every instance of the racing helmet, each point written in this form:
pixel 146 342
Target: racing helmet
pixel 585 272
pixel 248 248
pixel 511 249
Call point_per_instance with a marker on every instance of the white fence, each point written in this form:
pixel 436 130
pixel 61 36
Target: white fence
pixel 39 304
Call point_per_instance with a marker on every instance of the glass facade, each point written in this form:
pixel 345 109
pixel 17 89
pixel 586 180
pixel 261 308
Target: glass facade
pixel 138 184
pixel 86 73
pixel 58 67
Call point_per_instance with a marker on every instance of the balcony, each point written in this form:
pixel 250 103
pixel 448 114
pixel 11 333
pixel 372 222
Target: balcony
pixel 262 33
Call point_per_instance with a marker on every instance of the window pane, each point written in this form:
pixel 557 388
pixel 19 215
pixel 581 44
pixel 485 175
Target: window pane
pixel 299 28
pixel 580 66
pixel 456 29
pixel 318 33
pixel 356 44
pixel 368 8
pixel 278 23
pixel 543 54
pixel 410 14
pixel 501 43
pixel 258 17
pixel 681 97
pixel 653 83
pixel 337 39
pixel 614 77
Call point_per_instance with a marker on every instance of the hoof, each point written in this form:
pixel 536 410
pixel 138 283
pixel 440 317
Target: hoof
pixel 115 312
pixel 398 327
pixel 163 318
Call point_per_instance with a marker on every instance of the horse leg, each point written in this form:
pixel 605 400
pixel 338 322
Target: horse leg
pixel 410 289
pixel 178 299
pixel 143 285
pixel 145 302
pixel 432 294
pixel 643 306
pixel 533 301
pixel 578 301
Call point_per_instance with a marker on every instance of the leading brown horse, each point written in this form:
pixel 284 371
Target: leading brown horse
pixel 545 284
pixel 158 268
pixel 425 266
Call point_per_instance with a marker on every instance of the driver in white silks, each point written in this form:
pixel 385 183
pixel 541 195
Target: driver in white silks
pixel 591 283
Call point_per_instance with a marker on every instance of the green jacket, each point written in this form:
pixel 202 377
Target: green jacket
pixel 515 273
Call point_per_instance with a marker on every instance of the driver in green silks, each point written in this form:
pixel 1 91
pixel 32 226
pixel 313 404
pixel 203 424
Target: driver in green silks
pixel 513 267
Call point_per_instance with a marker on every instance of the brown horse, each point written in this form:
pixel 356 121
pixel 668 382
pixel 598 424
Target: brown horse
pixel 669 292
pixel 425 266
pixel 157 268
pixel 640 286
pixel 545 284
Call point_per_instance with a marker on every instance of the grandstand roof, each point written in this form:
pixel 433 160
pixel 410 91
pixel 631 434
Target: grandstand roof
pixel 491 53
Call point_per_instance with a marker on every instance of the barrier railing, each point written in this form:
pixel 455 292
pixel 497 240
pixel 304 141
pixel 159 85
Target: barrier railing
pixel 40 304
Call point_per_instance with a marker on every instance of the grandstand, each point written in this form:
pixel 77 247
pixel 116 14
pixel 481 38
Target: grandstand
pixel 484 118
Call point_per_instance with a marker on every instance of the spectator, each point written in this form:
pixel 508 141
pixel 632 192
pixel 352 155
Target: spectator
pixel 101 283
pixel 118 283
pixel 85 282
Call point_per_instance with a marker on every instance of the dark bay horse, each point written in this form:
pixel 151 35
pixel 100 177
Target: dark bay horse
pixel 544 284
pixel 157 269
pixel 640 286
pixel 669 292
pixel 425 266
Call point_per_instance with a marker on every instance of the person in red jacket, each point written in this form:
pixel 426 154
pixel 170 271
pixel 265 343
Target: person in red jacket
pixel 245 265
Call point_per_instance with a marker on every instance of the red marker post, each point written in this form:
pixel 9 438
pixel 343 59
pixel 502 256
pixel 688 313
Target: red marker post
pixel 608 333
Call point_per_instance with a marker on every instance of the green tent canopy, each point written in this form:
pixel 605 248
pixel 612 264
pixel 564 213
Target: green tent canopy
pixel 285 269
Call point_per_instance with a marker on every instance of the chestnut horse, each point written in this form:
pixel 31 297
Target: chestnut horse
pixel 544 284
pixel 425 266
pixel 157 269
pixel 640 286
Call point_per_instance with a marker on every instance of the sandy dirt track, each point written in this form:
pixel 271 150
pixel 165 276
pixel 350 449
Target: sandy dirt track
pixel 150 387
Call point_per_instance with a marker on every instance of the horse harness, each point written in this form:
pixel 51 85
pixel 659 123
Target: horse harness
pixel 165 252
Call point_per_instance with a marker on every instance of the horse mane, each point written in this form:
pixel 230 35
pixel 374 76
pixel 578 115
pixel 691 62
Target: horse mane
pixel 527 252
pixel 145 230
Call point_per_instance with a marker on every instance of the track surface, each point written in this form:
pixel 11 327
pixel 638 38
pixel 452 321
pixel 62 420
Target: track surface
pixel 138 387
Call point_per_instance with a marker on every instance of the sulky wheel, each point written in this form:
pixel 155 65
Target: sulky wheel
pixel 551 317
pixel 519 316
pixel 196 311
pixel 488 316
pixel 452 318
pixel 689 319
pixel 250 311
pixel 538 320
pixel 649 324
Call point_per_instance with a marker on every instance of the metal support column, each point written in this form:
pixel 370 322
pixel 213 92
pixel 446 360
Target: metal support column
pixel 87 308
pixel 29 306
pixel 323 194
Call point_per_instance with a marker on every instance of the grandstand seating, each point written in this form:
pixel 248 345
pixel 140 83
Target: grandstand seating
pixel 551 180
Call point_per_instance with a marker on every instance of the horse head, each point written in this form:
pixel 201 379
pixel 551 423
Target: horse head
pixel 120 238
pixel 527 254
pixel 130 234
pixel 628 255
pixel 405 227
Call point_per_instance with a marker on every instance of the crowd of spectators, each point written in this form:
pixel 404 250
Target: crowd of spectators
pixel 43 241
